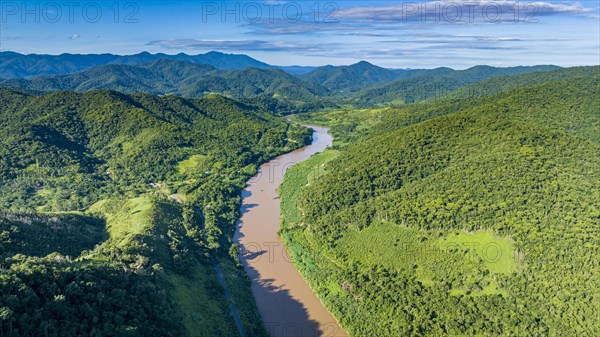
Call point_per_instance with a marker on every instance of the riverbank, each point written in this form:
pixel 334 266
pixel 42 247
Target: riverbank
pixel 285 301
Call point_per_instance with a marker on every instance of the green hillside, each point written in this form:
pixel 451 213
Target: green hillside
pixel 16 65
pixel 352 78
pixel 475 217
pixel 274 86
pixel 500 84
pixel 346 80
pixel 349 125
pixel 113 206
pixel 418 88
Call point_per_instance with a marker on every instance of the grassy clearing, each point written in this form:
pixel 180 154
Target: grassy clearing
pixel 194 164
pixel 496 253
pixel 390 245
pixel 478 257
pixel 125 218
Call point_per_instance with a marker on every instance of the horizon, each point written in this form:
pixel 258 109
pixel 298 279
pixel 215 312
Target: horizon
pixel 286 66
pixel 390 34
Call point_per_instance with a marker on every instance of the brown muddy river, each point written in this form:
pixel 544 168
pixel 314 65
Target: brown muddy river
pixel 286 303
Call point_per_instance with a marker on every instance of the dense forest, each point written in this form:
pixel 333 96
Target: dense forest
pixel 273 89
pixel 433 84
pixel 114 205
pixel 453 202
pixel 457 217
pixel 265 87
pixel 16 65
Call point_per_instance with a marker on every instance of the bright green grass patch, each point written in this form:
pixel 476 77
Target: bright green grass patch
pixel 496 253
pixel 125 218
pixel 194 164
pixel 431 260
pixel 404 249
pixel 389 245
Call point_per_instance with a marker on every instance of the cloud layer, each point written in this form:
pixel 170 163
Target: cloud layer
pixel 460 11
pixel 237 45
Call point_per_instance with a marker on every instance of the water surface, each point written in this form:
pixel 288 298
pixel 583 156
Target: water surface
pixel 286 303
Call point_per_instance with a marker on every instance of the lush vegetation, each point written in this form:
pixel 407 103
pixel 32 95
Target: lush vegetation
pixel 274 89
pixel 345 80
pixel 114 208
pixel 352 78
pixel 458 217
pixel 467 206
pixel 16 65
pixel 436 84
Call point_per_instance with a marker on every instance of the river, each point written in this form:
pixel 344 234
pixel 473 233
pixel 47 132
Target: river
pixel 286 303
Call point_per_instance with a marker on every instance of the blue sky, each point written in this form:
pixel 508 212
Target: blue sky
pixel 400 34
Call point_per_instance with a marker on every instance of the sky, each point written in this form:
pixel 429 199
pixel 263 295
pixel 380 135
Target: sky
pixel 394 34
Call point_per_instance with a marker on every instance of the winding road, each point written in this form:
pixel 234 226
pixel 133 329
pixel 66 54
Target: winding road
pixel 286 303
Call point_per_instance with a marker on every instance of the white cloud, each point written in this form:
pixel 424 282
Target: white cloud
pixel 236 45
pixel 461 11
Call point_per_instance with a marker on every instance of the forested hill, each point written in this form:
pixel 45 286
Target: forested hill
pixel 279 89
pixel 484 221
pixel 15 65
pixel 417 88
pixel 393 118
pixel 345 80
pixel 495 85
pixel 139 138
pixel 129 194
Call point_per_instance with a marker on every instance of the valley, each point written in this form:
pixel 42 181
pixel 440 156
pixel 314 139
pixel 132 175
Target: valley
pixel 286 303
pixel 218 195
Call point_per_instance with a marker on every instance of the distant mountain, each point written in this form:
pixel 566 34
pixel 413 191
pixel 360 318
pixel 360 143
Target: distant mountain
pixel 405 73
pixel 271 88
pixel 429 85
pixel 343 80
pixel 230 61
pixel 495 85
pixel 350 78
pixel 296 70
pixel 15 65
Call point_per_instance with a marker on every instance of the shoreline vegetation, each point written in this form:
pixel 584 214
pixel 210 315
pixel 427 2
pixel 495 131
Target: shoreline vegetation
pixel 159 183
pixel 452 202
pixel 488 194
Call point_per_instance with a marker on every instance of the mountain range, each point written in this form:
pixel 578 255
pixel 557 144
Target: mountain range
pixel 16 65
pixel 121 182
pixel 281 90
pixel 273 87
pixel 429 85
